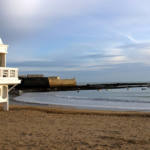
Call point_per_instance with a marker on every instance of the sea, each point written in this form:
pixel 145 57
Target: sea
pixel 133 99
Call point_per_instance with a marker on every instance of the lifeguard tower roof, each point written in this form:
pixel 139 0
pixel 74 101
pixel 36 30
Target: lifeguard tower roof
pixel 1 42
pixel 3 47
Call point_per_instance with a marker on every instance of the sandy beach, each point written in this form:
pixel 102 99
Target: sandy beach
pixel 54 128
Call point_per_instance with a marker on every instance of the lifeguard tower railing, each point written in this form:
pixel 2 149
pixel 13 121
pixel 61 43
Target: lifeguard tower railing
pixel 6 72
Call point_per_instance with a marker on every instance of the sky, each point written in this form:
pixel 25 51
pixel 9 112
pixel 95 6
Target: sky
pixel 91 40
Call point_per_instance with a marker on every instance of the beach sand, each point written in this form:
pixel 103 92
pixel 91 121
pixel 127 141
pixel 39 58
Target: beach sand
pixel 54 128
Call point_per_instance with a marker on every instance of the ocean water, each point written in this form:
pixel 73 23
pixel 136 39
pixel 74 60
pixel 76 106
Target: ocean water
pixel 113 99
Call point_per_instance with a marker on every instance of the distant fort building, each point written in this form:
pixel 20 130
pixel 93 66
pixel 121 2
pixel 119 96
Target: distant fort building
pixel 58 82
pixel 38 81
pixel 8 76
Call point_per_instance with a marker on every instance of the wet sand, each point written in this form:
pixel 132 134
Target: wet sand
pixel 54 128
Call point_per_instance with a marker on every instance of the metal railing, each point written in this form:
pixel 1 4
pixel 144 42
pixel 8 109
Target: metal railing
pixel 8 72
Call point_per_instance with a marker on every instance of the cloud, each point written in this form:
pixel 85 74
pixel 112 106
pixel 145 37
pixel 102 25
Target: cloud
pixel 86 62
pixel 97 56
pixel 137 53
pixel 130 38
pixel 41 64
pixel 30 15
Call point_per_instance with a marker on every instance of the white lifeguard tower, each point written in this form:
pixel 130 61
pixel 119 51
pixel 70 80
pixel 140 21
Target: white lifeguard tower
pixel 8 76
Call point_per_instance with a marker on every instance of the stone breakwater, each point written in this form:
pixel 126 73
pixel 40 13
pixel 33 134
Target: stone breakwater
pixel 56 84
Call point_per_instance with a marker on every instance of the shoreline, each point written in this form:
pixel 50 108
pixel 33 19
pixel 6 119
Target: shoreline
pixel 16 102
pixel 69 109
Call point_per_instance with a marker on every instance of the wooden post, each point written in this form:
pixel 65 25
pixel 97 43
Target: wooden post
pixel 6 106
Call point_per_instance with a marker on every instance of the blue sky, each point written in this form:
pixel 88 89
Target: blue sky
pixel 91 40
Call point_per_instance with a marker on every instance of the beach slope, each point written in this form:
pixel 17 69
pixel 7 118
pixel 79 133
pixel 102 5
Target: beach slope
pixel 41 128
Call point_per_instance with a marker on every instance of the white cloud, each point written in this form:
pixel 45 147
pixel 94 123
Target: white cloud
pixel 22 8
pixel 114 51
pixel 32 14
pixel 118 60
pixel 132 39
pixel 137 53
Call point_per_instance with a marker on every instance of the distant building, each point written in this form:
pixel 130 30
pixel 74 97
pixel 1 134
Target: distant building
pixel 8 76
pixel 35 75
pixel 57 82
pixel 37 81
pixel 54 77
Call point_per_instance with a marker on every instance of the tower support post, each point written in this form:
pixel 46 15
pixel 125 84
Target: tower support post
pixel 6 106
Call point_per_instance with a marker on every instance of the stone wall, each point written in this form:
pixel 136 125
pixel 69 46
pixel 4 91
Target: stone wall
pixel 62 82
